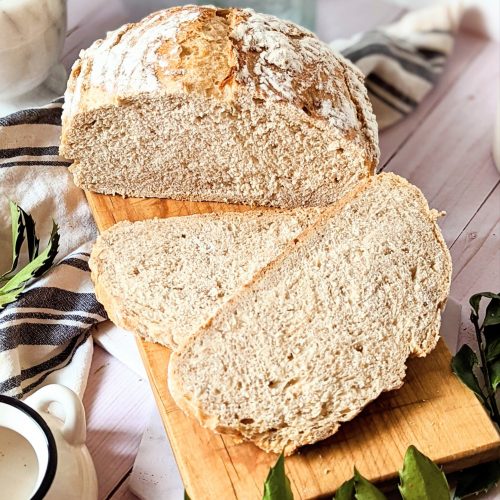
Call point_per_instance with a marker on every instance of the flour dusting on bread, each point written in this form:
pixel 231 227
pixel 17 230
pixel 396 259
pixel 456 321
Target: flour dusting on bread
pixel 211 104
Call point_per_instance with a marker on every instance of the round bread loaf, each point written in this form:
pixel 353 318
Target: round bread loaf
pixel 211 104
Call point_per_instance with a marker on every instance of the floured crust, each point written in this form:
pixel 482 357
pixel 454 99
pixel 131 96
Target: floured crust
pixel 228 54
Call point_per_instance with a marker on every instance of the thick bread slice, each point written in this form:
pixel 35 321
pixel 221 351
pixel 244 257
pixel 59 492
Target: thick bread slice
pixel 164 278
pixel 324 329
pixel 211 104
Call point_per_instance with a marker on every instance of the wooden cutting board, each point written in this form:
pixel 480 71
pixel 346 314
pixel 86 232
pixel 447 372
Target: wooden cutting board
pixel 433 411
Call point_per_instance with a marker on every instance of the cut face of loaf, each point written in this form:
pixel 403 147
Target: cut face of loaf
pixel 164 278
pixel 324 329
pixel 212 104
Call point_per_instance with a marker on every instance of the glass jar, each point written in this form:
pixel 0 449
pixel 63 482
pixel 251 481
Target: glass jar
pixel 31 39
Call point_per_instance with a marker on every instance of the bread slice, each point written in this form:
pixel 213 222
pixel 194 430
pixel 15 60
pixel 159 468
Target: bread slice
pixel 164 278
pixel 324 329
pixel 211 104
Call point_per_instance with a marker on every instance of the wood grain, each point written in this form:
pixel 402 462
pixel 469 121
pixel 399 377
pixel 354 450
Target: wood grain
pixel 392 139
pixel 475 254
pixel 449 156
pixel 433 411
pixel 117 404
pixel 123 492
pixel 476 259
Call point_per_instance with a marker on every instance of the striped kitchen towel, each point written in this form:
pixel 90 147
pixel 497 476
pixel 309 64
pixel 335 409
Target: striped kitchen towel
pixel 45 334
pixel 402 62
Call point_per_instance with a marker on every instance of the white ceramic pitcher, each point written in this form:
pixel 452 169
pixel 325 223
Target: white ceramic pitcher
pixel 61 466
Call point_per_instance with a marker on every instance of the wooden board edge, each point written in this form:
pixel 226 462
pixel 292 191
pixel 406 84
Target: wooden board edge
pixel 452 463
pixel 159 401
pixel 102 209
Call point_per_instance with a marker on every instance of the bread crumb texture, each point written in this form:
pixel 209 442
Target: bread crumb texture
pixel 326 328
pixel 218 105
pixel 165 278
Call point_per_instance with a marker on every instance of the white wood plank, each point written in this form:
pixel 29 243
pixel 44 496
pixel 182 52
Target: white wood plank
pixel 449 155
pixel 476 258
pixel 155 475
pixel 479 241
pixel 118 404
pixel 78 10
pixel 467 48
pixel 124 493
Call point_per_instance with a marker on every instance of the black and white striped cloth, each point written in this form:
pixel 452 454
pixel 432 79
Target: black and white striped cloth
pixel 403 61
pixel 45 335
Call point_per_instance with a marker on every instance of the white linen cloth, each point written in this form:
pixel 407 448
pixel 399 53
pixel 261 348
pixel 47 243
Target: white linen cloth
pixel 402 61
pixel 45 334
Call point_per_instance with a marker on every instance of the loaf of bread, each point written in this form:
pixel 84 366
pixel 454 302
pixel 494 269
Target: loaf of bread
pixel 165 278
pixel 211 104
pixel 325 328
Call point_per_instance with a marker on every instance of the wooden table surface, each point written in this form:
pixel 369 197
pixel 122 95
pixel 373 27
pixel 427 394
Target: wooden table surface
pixel 444 147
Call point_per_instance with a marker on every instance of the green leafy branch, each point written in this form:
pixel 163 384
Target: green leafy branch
pixel 465 363
pixel 14 281
pixel 420 479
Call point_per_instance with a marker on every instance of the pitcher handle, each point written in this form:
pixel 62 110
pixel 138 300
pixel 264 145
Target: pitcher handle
pixel 74 428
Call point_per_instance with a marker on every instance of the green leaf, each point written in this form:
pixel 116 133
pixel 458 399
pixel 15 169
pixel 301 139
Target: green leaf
pixel 462 365
pixel 37 266
pixel 346 491
pixel 49 254
pixel 492 341
pixel 494 370
pixel 364 489
pixel 478 479
pixel 186 496
pixel 7 298
pixel 277 485
pixel 31 238
pixel 17 228
pixel 476 299
pixel 422 478
pixel 474 303
pixel 492 316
